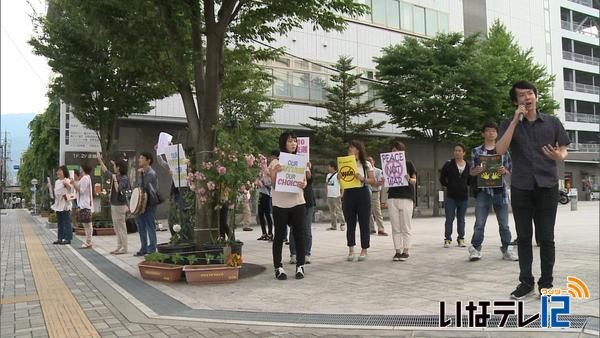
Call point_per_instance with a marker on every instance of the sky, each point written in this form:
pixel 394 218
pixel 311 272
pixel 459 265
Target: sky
pixel 25 76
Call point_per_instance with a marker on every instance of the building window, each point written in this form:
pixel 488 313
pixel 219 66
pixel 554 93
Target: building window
pixel 431 21
pixel 393 14
pixel 378 12
pixel 406 16
pixel 300 88
pixel 318 82
pixel 281 83
pixel 443 24
pixel 419 19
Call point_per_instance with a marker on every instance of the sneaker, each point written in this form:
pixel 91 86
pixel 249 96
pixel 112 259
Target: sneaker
pixel 382 233
pixel 447 243
pixel 404 256
pixel 373 232
pixel 522 291
pixel 307 259
pixel 292 259
pixel 461 243
pixel 331 228
pixel 515 242
pixel 509 255
pixel 247 229
pixel 474 254
pixel 300 272
pixel 342 228
pixel 286 242
pixel 397 257
pixel 280 274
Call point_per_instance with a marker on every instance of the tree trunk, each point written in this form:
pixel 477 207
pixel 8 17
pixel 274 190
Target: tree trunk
pixel 436 203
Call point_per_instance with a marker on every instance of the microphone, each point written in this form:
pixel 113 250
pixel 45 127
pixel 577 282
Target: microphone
pixel 521 114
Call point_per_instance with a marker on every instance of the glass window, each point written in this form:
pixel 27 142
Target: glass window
pixel 367 16
pixel 393 14
pixel 281 63
pixel 419 19
pixel 431 21
pixel 406 16
pixel 318 83
pixel 301 64
pixel 443 24
pixel 281 83
pixel 378 11
pixel 300 87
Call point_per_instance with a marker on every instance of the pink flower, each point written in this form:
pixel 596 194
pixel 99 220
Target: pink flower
pixel 250 160
pixel 222 170
pixel 203 199
pixel 201 191
pixel 210 185
pixel 207 165
pixel 190 176
pixel 199 176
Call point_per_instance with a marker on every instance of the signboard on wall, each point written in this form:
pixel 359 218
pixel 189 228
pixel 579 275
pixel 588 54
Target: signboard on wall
pixel 74 137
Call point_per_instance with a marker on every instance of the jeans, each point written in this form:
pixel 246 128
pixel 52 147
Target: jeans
pixel 264 213
pixel 147 230
pixel 482 209
pixel 357 206
pixel 455 208
pixel 310 212
pixel 65 229
pixel 295 218
pixel 538 205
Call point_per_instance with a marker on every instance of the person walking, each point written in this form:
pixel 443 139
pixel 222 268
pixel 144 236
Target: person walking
pixel 400 204
pixel 357 202
pixel 334 201
pixel 311 203
pixel 488 197
pixel 119 184
pixel 63 194
pixel 537 141
pixel 146 223
pixel 244 199
pixel 85 204
pixel 376 216
pixel 455 178
pixel 289 208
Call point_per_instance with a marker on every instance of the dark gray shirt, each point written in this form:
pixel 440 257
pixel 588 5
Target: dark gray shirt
pixel 531 167
pixel 150 180
pixel 123 181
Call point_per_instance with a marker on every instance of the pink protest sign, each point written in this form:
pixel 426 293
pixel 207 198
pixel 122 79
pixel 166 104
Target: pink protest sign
pixel 394 169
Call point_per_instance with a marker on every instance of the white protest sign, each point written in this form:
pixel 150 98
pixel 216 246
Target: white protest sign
pixel 303 146
pixel 292 175
pixel 163 142
pixel 177 164
pixel 394 169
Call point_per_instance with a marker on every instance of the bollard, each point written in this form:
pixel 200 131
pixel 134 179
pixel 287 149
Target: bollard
pixel 573 196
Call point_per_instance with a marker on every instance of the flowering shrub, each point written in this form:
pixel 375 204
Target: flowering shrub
pixel 234 260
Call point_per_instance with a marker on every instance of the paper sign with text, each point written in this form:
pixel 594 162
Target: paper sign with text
pixel 292 175
pixel 346 172
pixel 394 169
pixel 163 142
pixel 177 164
pixel 303 146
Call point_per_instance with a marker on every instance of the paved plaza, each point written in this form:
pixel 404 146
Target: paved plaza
pixel 55 291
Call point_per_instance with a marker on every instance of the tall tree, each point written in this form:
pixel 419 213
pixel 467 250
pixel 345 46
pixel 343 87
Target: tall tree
pixel 88 74
pixel 426 89
pixel 346 108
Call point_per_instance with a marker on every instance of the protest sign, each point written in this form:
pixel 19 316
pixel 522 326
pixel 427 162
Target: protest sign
pixel 163 142
pixel 291 177
pixel 303 146
pixel 394 169
pixel 177 164
pixel 490 177
pixel 346 172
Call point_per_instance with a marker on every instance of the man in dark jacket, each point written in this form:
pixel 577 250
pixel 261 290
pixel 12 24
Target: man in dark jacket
pixel 455 179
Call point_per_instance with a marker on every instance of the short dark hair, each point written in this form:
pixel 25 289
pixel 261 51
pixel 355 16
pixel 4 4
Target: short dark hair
pixel 76 172
pixel 521 85
pixel 148 156
pixel 398 145
pixel 64 170
pixel 283 140
pixel 460 145
pixel 121 167
pixel 86 168
pixel 333 165
pixel 489 124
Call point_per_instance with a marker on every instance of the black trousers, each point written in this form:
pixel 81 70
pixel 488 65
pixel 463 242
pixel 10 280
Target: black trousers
pixel 538 205
pixel 357 206
pixel 294 217
pixel 223 227
pixel 264 213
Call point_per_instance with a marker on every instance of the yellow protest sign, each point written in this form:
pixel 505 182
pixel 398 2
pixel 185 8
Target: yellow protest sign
pixel 346 171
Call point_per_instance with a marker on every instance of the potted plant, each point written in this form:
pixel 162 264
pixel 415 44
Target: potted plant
pixel 103 228
pixel 52 221
pixel 155 268
pixel 213 273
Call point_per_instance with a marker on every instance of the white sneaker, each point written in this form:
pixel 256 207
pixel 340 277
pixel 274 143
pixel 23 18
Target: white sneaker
pixel 300 272
pixel 474 254
pixel 307 259
pixel 509 255
pixel 293 259
pixel 280 274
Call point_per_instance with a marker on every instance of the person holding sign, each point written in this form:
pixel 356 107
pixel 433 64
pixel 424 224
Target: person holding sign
pixel 400 204
pixel 357 197
pixel 289 207
pixel 62 205
pixel 488 196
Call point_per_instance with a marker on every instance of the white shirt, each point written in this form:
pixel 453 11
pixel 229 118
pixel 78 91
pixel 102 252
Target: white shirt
pixel 333 185
pixel 365 173
pixel 84 199
pixel 461 168
pixel 378 175
pixel 60 204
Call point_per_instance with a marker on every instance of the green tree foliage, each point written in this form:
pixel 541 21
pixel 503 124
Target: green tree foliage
pixel 346 111
pixel 89 76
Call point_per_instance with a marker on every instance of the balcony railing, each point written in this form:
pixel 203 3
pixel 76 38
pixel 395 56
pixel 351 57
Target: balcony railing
pixel 578 28
pixel 581 117
pixel 590 60
pixel 583 88
pixel 584 147
pixel 583 2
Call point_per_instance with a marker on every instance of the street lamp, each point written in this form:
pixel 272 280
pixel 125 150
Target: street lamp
pixel 34 183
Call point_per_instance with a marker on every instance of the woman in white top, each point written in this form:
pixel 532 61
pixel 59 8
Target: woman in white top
pixel 85 204
pixel 62 206
pixel 357 202
pixel 288 209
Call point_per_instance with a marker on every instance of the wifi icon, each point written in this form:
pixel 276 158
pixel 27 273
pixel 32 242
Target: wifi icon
pixel 577 288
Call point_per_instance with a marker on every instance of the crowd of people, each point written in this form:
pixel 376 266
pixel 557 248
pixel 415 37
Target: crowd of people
pixel 536 141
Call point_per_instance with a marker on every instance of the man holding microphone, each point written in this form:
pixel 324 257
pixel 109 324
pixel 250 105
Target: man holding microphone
pixel 536 141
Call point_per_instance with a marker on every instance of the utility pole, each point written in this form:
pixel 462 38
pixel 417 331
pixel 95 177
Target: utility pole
pixel 4 154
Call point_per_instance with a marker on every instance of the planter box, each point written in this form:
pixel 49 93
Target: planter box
pixel 212 273
pixel 80 231
pixel 182 248
pixel 104 231
pixel 160 271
